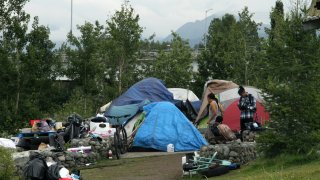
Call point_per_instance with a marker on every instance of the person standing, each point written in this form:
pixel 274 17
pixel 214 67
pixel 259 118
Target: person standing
pixel 247 106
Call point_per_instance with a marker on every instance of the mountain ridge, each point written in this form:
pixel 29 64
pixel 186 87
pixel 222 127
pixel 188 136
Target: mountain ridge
pixel 194 31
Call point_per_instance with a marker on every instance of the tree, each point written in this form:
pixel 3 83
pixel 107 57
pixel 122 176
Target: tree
pixel 86 61
pixel 249 49
pixel 123 33
pixel 233 49
pixel 14 25
pixel 39 68
pixel 174 65
pixel 292 87
pixel 13 29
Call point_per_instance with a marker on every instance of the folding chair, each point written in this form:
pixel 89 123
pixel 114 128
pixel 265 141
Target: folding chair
pixel 203 163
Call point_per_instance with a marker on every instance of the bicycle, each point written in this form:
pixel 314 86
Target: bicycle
pixel 120 140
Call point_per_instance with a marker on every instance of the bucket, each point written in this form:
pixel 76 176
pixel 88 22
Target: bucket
pixel 170 148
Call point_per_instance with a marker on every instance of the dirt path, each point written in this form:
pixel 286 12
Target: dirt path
pixel 161 167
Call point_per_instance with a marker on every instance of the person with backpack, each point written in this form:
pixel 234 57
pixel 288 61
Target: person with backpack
pixel 247 106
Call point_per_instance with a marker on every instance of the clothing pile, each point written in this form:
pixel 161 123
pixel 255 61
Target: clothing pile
pixel 40 168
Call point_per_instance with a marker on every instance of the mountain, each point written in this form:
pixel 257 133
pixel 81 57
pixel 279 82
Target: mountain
pixel 194 31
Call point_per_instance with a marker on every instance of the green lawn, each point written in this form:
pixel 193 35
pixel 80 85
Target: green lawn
pixel 278 168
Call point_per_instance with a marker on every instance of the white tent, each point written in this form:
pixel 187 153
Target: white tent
pixel 183 94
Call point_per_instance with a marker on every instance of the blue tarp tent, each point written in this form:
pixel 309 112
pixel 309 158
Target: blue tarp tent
pixel 165 124
pixel 138 95
pixel 151 89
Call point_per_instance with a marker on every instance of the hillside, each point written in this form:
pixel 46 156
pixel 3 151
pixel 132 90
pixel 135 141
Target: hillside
pixel 194 31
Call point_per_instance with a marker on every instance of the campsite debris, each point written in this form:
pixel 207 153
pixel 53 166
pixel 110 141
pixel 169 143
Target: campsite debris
pixel 99 149
pixel 206 166
pixel 7 143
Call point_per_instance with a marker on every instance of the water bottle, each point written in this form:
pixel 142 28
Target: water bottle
pixel 170 148
pixel 110 154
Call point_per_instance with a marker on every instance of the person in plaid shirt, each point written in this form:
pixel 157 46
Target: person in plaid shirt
pixel 247 106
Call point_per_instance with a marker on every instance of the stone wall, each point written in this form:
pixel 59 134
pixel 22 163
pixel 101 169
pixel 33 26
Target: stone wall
pixel 234 151
pixel 70 160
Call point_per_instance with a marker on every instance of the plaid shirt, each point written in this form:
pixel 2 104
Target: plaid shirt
pixel 247 107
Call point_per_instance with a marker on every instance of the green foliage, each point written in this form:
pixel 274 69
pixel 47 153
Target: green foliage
pixel 292 88
pixel 173 66
pixel 85 58
pixel 6 163
pixel 124 34
pixel 233 50
pixel 78 103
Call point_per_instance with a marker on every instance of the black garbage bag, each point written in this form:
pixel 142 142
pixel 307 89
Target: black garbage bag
pixel 36 168
pixel 53 172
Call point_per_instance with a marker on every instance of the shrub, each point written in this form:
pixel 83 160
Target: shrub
pixel 6 163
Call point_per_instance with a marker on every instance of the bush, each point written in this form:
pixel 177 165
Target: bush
pixel 6 163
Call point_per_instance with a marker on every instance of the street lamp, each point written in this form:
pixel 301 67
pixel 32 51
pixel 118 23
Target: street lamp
pixel 206 29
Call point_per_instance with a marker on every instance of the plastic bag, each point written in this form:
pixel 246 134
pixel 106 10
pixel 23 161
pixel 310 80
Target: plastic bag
pixel 36 167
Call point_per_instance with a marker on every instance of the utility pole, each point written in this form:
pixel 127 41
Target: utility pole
pixel 71 16
pixel 206 29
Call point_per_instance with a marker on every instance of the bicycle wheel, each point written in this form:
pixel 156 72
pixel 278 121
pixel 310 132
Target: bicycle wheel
pixel 116 145
pixel 124 140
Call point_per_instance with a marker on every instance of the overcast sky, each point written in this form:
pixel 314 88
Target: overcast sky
pixel 156 16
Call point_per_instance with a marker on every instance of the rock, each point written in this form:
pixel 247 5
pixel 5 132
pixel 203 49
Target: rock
pixel 61 158
pixel 233 154
pixel 68 158
pixel 226 151
pixel 204 148
pixel 92 143
pixel 21 158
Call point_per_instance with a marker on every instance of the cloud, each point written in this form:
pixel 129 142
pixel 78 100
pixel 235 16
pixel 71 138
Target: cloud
pixel 156 16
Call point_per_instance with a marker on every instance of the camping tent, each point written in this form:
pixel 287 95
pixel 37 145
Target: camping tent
pixel 229 99
pixel 213 86
pixel 165 124
pixel 186 101
pixel 143 92
pixel 151 89
pixel 183 94
pixel 227 93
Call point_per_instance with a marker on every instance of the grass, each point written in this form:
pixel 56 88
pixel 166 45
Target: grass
pixel 284 167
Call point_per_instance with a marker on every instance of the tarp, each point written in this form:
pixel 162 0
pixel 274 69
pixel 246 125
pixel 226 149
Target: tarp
pixel 165 124
pixel 138 95
pixel 130 110
pixel 151 89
